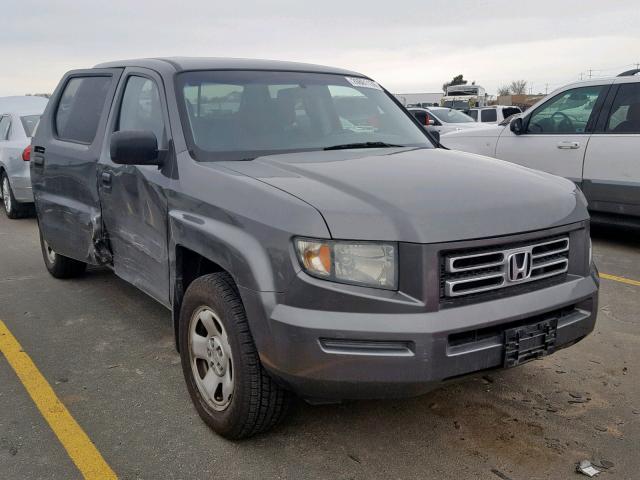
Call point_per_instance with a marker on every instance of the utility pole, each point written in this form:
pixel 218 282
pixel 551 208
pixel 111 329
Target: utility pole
pixel 590 70
pixel 546 88
pixel 581 75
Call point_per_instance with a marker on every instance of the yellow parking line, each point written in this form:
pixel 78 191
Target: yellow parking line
pixel 615 278
pixel 77 444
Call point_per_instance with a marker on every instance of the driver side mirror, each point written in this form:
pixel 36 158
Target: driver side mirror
pixel 135 147
pixel 517 126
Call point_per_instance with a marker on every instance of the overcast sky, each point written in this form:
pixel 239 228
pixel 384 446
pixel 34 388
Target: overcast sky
pixel 408 46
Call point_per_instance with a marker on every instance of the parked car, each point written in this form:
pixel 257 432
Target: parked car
pixel 18 119
pixel 493 114
pixel 295 254
pixel 587 131
pixel 443 120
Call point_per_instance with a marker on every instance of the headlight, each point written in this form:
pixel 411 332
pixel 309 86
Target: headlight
pixel 371 264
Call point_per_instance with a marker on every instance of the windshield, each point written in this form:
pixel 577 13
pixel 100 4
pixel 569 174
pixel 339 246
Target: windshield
pixel 448 115
pixel 239 115
pixel 29 123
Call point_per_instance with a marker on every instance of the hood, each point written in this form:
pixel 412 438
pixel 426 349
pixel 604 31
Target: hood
pixel 420 195
pixel 483 130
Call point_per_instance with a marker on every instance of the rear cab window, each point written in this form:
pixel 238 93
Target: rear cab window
pixel 80 106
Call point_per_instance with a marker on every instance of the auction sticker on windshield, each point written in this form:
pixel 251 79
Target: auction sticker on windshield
pixel 363 83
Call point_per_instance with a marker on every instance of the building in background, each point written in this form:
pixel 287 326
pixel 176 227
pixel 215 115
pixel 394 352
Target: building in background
pixel 522 101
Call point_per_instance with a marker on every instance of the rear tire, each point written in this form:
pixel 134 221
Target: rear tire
pixel 257 403
pixel 12 207
pixel 60 266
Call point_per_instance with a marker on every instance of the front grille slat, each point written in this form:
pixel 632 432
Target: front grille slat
pixel 473 272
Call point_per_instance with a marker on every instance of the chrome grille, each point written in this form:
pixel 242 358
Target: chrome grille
pixel 470 272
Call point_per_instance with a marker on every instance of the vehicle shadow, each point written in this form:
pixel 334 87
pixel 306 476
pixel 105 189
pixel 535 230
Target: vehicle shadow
pixel 616 235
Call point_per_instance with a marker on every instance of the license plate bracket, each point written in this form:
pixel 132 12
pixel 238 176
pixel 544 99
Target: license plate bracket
pixel 528 342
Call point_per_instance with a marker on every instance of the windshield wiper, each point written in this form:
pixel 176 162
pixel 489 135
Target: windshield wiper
pixel 347 146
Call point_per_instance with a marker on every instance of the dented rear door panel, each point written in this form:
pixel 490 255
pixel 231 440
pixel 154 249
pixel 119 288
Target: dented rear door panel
pixel 64 180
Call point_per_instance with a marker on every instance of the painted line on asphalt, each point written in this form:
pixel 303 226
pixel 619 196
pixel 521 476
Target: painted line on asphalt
pixel 75 441
pixel 615 278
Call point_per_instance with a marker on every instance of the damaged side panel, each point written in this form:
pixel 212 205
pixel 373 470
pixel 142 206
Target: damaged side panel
pixel 66 149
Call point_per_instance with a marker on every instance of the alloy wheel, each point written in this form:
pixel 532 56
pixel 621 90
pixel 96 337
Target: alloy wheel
pixel 211 358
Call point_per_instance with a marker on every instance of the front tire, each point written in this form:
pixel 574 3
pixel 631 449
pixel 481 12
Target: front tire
pixel 12 207
pixel 229 387
pixel 58 265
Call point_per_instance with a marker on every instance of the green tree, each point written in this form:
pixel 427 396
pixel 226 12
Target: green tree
pixel 457 80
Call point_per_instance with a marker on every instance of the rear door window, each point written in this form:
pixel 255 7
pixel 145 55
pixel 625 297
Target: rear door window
pixel 490 115
pixel 80 107
pixel 625 111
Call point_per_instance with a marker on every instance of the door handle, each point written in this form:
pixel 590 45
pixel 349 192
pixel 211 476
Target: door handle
pixel 38 156
pixel 106 178
pixel 568 145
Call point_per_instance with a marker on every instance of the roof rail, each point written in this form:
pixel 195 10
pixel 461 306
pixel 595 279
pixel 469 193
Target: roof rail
pixel 630 73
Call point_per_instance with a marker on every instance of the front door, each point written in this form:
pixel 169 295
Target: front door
pixel 134 204
pixel 556 133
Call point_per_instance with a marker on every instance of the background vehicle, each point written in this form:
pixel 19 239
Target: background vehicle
pixel 463 97
pixel 442 120
pixel 588 132
pixel 304 243
pixel 493 114
pixel 18 119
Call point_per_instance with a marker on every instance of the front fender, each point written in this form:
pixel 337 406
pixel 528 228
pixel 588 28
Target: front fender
pixel 227 245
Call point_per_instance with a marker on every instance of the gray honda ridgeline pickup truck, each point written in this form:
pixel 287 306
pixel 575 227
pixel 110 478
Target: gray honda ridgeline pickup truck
pixel 307 234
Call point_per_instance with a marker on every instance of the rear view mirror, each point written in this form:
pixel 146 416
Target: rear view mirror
pixel 134 147
pixel 517 126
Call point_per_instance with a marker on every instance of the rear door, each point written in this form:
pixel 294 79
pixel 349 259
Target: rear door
pixel 134 204
pixel 65 153
pixel 612 164
pixel 556 133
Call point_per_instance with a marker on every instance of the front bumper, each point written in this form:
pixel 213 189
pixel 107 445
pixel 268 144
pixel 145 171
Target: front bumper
pixel 337 355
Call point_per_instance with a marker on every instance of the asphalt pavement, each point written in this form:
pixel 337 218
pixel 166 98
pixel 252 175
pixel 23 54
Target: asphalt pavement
pixel 107 351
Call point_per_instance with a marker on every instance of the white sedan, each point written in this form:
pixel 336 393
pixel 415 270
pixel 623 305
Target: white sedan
pixel 18 119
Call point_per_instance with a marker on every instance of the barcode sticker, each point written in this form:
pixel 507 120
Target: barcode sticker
pixel 363 82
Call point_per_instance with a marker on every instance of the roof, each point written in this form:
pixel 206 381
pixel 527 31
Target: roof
pixel 26 104
pixel 180 64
